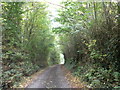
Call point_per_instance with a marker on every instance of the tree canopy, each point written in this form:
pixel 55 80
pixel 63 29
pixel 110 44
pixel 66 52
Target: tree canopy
pixel 88 37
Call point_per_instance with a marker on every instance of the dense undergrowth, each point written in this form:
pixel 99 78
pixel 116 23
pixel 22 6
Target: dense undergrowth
pixel 90 41
pixel 95 76
pixel 89 38
pixel 27 42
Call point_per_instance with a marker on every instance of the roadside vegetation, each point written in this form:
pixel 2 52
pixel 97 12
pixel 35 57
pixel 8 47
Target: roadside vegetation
pixel 27 42
pixel 90 41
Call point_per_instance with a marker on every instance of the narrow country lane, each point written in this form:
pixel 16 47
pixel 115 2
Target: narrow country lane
pixel 53 77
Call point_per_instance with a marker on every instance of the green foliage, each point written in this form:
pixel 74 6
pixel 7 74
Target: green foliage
pixel 94 54
pixel 11 20
pixel 29 68
pixel 89 40
pixel 97 77
pixel 54 57
pixel 37 37
pixel 70 63
pixel 89 35
pixel 12 76
pixel 27 40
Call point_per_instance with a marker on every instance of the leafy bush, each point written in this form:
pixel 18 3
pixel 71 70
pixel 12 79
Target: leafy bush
pixel 26 40
pixel 91 40
pixel 29 68
pixel 14 75
pixel 98 77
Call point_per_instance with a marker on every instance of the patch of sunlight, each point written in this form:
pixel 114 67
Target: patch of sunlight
pixel 62 60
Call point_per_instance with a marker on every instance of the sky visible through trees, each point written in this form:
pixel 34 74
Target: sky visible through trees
pixel 84 36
